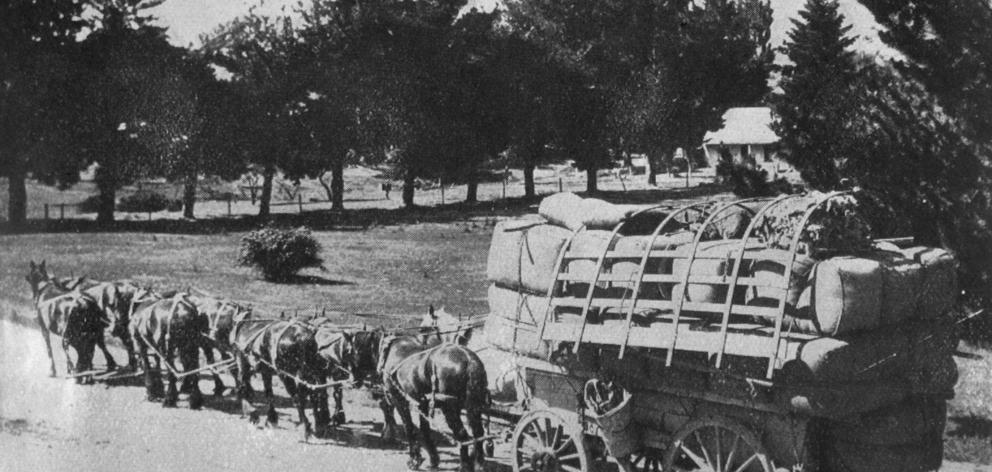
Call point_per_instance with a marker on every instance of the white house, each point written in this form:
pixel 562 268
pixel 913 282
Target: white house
pixel 748 135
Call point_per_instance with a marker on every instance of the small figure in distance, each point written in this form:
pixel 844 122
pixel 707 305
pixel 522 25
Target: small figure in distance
pixel 386 187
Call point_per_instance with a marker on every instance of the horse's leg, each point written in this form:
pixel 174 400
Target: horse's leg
pixel 101 343
pixel 302 393
pixel 388 421
pixel 151 393
pixel 266 372
pixel 242 385
pixel 46 335
pixel 338 417
pixel 70 368
pixel 453 416
pixel 425 436
pixel 208 354
pixel 191 361
pixel 474 416
pixel 413 446
pixel 321 414
pixel 171 394
pixel 125 338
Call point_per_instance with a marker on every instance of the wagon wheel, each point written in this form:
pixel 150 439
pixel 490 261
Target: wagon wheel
pixel 716 445
pixel 544 442
pixel 646 459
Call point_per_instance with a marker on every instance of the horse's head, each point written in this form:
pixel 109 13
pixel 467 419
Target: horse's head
pixel 365 352
pixel 441 326
pixel 37 275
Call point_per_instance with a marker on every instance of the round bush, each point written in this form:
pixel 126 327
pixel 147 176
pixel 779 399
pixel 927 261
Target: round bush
pixel 148 202
pixel 279 253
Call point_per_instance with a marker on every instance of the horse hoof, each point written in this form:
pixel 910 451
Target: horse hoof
pixel 339 418
pixel 195 403
pixel 169 404
pixel 414 463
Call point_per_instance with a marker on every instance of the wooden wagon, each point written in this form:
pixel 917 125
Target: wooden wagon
pixel 704 377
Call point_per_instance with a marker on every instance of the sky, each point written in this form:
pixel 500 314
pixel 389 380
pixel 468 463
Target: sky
pixel 187 19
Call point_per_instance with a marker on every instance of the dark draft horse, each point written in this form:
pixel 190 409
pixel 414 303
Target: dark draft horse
pixel 167 325
pixel 287 349
pixel 221 316
pixel 71 315
pixel 336 348
pixel 446 376
pixel 113 298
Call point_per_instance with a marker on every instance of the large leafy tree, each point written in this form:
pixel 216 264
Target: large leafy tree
pixel 937 125
pixel 816 109
pixel 259 52
pixel 137 103
pixel 37 40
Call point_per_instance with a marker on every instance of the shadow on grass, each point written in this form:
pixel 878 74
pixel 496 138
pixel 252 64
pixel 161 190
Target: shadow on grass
pixel 969 426
pixel 355 220
pixel 298 279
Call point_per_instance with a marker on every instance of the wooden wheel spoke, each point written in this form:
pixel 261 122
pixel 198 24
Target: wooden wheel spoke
pixel 567 442
pixel 746 463
pixel 568 457
pixel 556 437
pixel 733 450
pixel 718 452
pixel 700 462
pixel 570 468
pixel 702 446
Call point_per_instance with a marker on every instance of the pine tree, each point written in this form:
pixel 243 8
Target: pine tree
pixel 815 109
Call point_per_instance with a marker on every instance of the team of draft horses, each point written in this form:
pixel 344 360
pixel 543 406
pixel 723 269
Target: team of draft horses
pixel 416 370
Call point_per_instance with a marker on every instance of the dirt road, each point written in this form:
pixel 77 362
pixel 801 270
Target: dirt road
pixel 51 424
pixel 55 425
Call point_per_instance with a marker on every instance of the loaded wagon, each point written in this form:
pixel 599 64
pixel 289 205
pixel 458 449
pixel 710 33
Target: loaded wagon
pixel 748 335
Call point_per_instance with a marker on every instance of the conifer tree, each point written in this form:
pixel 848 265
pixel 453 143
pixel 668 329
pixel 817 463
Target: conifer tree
pixel 815 109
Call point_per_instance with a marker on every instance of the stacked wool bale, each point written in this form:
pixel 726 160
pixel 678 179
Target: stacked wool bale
pixel 522 261
pixel 882 368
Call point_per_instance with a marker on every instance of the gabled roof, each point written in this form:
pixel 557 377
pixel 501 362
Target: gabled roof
pixel 747 125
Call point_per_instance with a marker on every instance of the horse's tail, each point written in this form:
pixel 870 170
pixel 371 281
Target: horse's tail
pixel 477 394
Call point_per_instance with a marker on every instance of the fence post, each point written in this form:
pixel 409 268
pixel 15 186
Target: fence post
pixel 46 212
pixel 61 211
pixel 299 198
pixel 228 207
pixel 442 192
pixel 559 185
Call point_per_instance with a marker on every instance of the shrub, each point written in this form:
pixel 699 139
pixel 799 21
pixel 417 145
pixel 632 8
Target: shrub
pixel 279 253
pixel 747 181
pixel 148 202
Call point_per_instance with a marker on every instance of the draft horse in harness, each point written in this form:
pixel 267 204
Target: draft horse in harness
pixel 335 346
pixel 72 315
pixel 446 376
pixel 114 299
pixel 221 317
pixel 287 349
pixel 167 326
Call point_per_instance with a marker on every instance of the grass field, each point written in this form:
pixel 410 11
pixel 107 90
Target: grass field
pixel 388 262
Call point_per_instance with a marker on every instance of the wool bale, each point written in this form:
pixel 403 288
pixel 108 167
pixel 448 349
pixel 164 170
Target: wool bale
pixel 708 265
pixel 911 421
pixel 562 209
pixel 848 456
pixel 568 210
pixel 525 258
pixel 939 285
pixel 769 276
pixel 840 400
pixel 902 280
pixel 592 242
pixel 862 357
pixel 515 320
pixel 847 295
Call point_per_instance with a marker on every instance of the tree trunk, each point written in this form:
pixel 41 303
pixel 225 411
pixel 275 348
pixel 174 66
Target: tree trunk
pixel 17 192
pixel 268 175
pixel 189 195
pixel 472 192
pixel 529 180
pixel 327 187
pixel 654 163
pixel 106 184
pixel 591 183
pixel 408 182
pixel 337 184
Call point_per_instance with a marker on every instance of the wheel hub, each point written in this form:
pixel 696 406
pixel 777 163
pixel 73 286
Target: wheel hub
pixel 544 462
